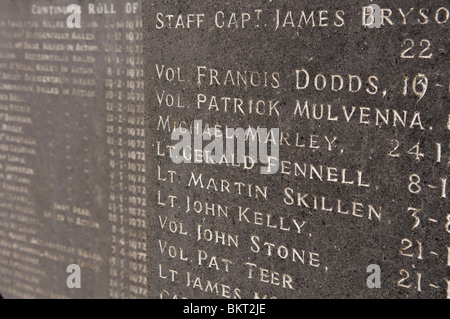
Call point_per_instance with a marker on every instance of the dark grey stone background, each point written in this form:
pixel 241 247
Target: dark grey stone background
pixel 347 245
pixel 72 160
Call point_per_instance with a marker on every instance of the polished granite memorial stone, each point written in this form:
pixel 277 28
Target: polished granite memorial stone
pixel 356 98
pixel 224 149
